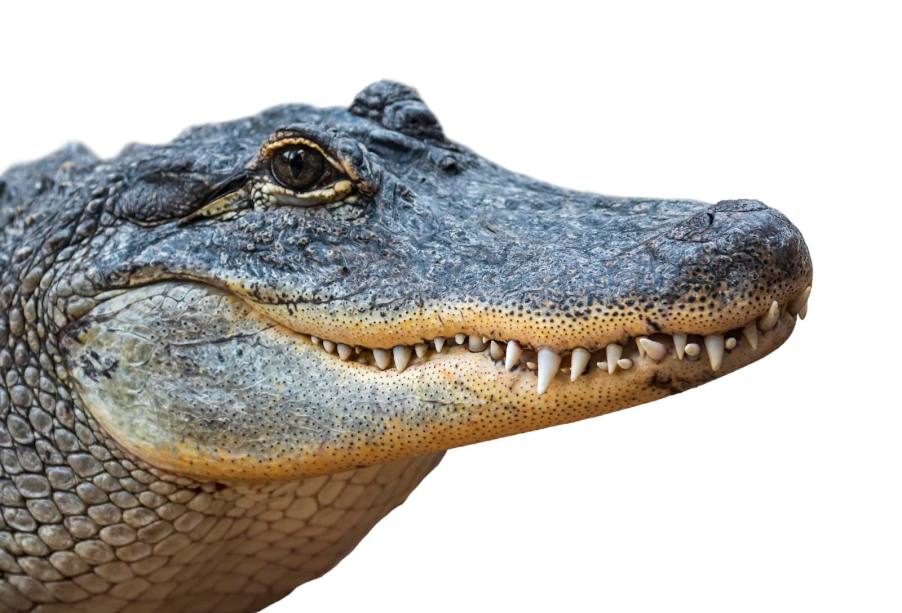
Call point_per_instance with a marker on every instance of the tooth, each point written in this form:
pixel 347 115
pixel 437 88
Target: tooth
pixel 655 350
pixel 679 343
pixel 639 346
pixel 329 346
pixel 420 349
pixel 460 338
pixel 512 355
pixel 799 306
pixel 714 345
pixel 382 357
pixel 401 354
pixel 693 350
pixel 613 353
pixel 344 352
pixel 602 365
pixel 476 343
pixel 485 339
pixel 579 359
pixel 750 332
pixel 439 344
pixel 549 362
pixel 531 365
pixel 625 363
pixel 495 350
pixel 314 340
pixel 769 320
pixel 730 343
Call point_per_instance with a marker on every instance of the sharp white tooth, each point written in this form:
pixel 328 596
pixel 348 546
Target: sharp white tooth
pixel 420 349
pixel 329 346
pixel 512 355
pixel 714 344
pixel 495 350
pixel 625 363
pixel 314 340
pixel 460 338
pixel 693 350
pixel 401 354
pixel 344 352
pixel 653 349
pixel 579 359
pixel 770 319
pixel 799 306
pixel 475 343
pixel 639 345
pixel 549 363
pixel 679 343
pixel 382 358
pixel 613 353
pixel 730 343
pixel 439 344
pixel 750 332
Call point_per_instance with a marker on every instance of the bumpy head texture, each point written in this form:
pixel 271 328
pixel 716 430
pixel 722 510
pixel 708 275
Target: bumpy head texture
pixel 223 327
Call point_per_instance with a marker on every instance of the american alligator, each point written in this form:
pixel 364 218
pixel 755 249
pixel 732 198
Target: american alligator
pixel 225 358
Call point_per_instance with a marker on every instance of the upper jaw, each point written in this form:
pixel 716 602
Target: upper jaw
pixel 547 363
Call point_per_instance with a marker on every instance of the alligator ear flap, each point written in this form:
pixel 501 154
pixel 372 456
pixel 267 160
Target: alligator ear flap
pixel 225 204
pixel 160 190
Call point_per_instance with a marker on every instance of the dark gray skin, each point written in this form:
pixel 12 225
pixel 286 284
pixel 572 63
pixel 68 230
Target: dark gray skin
pixel 156 314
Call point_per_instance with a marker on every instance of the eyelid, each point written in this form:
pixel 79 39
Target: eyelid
pixel 330 193
pixel 271 148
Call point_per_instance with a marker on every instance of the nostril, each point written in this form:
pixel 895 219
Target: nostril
pixel 710 218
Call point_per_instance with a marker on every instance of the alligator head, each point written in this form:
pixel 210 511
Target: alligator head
pixel 310 290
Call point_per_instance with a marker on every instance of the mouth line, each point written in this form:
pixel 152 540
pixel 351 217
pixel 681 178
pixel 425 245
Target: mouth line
pixel 544 363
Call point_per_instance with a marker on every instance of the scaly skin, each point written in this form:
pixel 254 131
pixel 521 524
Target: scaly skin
pixel 175 435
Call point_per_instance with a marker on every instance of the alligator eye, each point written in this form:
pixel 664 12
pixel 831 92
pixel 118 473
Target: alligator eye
pixel 299 167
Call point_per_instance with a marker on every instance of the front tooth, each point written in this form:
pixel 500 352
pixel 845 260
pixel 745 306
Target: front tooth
pixel 439 344
pixel 401 354
pixel 714 343
pixel 476 343
pixel 420 349
pixel 730 343
pixel 549 362
pixel 314 340
pixel 655 350
pixel 460 338
pixel 639 346
pixel 382 357
pixel 799 306
pixel 693 350
pixel 613 353
pixel 344 352
pixel 625 363
pixel 579 359
pixel 679 343
pixel 495 350
pixel 750 332
pixel 512 355
pixel 329 346
pixel 769 320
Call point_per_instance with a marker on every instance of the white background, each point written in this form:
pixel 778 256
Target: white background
pixel 774 489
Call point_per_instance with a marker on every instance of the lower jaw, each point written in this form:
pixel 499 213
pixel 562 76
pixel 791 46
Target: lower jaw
pixel 296 411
